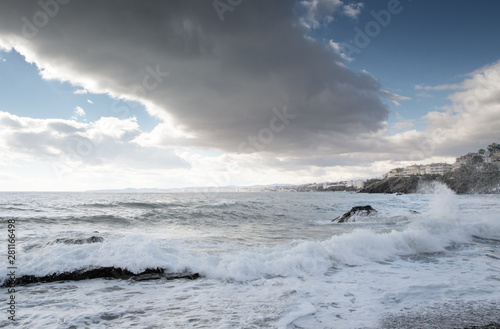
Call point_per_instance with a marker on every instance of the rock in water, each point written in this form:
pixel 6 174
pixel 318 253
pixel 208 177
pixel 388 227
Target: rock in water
pixel 355 211
pixel 92 239
pixel 101 273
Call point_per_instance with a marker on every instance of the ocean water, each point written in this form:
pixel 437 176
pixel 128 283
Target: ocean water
pixel 266 260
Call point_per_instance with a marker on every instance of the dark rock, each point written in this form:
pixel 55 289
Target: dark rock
pixel 92 239
pixel 355 211
pixel 414 212
pixel 192 276
pixel 102 273
pixel 488 326
pixel 159 273
pixel 398 185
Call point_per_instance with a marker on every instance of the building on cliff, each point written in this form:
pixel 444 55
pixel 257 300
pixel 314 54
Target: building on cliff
pixel 436 169
pixel 358 183
pixel 492 157
pixel 429 169
pixel 487 157
pixel 396 172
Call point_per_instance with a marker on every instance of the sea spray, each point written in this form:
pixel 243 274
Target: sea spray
pixel 443 201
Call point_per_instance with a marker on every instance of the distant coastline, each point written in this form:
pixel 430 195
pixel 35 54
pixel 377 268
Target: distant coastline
pixel 473 173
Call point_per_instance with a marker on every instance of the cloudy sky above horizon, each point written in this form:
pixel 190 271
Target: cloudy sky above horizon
pixel 166 94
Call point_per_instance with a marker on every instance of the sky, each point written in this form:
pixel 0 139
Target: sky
pixel 171 94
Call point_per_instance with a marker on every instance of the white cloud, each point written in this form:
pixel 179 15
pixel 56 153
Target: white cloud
pixel 338 49
pixel 71 146
pixel 394 98
pixel 353 9
pixel 89 101
pixel 322 12
pixel 79 112
pixel 402 123
pixel 471 121
pixel 80 91
pixel 439 87
pixel 423 94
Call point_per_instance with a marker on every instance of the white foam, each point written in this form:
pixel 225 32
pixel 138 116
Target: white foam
pixel 304 309
pixel 138 251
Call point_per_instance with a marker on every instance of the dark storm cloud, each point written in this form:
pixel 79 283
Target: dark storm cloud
pixel 220 80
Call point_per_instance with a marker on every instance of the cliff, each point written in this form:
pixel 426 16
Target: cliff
pixel 474 177
pixel 396 184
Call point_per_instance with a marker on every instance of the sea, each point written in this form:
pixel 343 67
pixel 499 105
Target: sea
pixel 265 260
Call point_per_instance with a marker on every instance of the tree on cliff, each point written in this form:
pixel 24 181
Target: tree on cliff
pixel 494 147
pixel 474 177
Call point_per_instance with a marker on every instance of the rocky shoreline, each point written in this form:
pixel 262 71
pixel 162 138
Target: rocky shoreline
pixel 404 185
pixel 468 179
